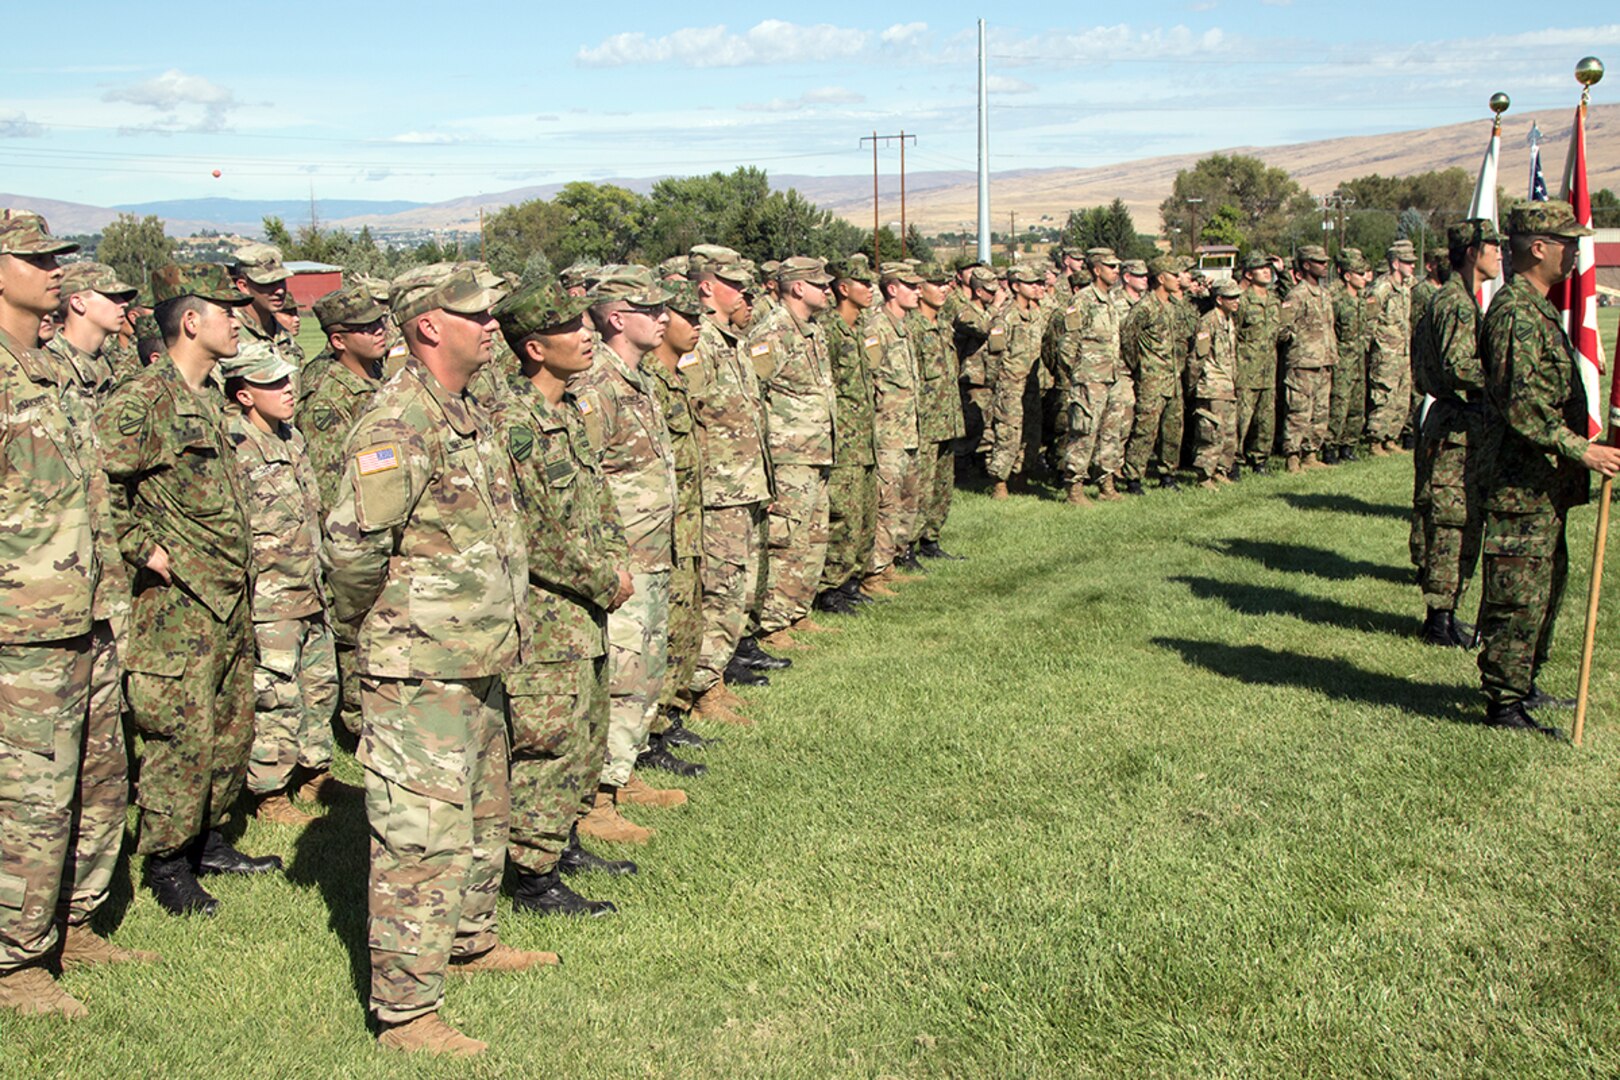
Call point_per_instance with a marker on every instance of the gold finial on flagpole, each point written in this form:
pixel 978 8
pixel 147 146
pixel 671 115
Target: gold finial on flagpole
pixel 1499 105
pixel 1589 72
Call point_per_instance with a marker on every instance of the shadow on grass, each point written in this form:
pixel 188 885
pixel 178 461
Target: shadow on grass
pixel 1266 600
pixel 332 853
pixel 1344 504
pixel 1318 562
pixel 1334 678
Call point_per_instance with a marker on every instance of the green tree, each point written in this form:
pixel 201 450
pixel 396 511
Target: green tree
pixel 1605 209
pixel 516 234
pixel 1225 226
pixel 275 231
pixel 601 222
pixel 135 246
pixel 1108 226
pixel 1264 197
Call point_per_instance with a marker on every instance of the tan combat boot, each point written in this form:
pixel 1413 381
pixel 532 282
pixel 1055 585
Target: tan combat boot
pixel 1208 484
pixel 876 585
pixel 999 491
pixel 428 1034
pixel 1293 463
pixel 806 625
pixel 709 707
pixel 1106 490
pixel 605 823
pixel 502 958
pixel 31 990
pixel 638 792
pixel 1376 449
pixel 83 947
pixel 1311 461
pixel 725 695
pixel 777 640
pixel 323 787
pixel 279 810
pixel 1224 478
pixel 1077 495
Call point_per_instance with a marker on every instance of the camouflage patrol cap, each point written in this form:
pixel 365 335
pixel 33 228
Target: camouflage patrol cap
pixel 536 308
pixel 289 304
pixel 146 327
pixel 1546 219
pixel 1102 256
pixel 1080 277
pixel 1460 237
pixel 206 281
pixel 1313 253
pixel 23 232
pixel 1136 267
pixel 575 275
pixel 934 273
pixel 375 287
pixel 1352 261
pixel 260 264
pixel 1229 290
pixel 353 305
pixel 1184 263
pixel 982 277
pixel 801 268
pixel 632 284
pixel 1164 265
pixel 95 277
pixel 675 266
pixel 1023 273
pixel 1257 260
pixel 902 272
pixel 1401 251
pixel 770 267
pixel 855 268
pixel 441 287
pixel 722 262
pixel 683 297
pixel 256 362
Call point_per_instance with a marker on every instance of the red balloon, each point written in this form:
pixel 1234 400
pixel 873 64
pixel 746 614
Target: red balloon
pixel 216 174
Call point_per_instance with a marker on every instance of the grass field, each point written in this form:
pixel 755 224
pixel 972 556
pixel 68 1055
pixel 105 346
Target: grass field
pixel 1162 788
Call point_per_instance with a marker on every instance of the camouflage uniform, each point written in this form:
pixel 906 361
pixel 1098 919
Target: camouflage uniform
pixel 295 680
pixel 1100 400
pixel 1307 379
pixel 558 697
pixel 1213 377
pixel 852 483
pixel 789 355
pixel 724 393
pixel 190 649
pixel 1259 317
pixel 427 568
pixel 1347 408
pixel 685 581
pixel 894 412
pixel 47 576
pixel 1015 412
pixel 1173 422
pixel 939 424
pixel 1389 365
pixel 622 417
pixel 1149 335
pixel 980 341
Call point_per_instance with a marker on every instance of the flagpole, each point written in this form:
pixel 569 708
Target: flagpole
pixel 1587 73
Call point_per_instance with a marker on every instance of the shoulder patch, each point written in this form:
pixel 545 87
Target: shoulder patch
pixel 759 350
pixel 585 407
pixel 378 459
pixel 520 443
pixel 870 341
pixel 397 351
pixel 323 417
pixel 686 360
pixel 132 418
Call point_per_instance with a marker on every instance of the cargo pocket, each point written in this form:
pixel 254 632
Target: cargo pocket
pixel 13 892
pixel 542 706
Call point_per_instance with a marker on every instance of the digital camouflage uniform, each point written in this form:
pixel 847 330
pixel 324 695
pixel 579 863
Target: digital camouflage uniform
pixel 1531 461
pixel 427 567
pixel 939 424
pixel 1150 331
pixel 1213 377
pixel 623 420
pixel 894 413
pixel 47 577
pixel 724 392
pixel 295 681
pixel 558 696
pixel 1307 328
pixel 1173 422
pixel 1015 411
pixel 789 355
pixel 1389 364
pixel 1347 406
pixel 1100 398
pixel 685 580
pixel 190 649
pixel 980 342
pixel 852 483
pixel 1259 317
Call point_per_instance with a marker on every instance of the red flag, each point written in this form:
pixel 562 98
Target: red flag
pixel 1577 297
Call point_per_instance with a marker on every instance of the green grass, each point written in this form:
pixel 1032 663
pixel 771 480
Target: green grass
pixel 1160 788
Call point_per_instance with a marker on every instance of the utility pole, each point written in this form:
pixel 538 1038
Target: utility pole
pixel 1012 237
pixel 482 254
pixel 984 156
pixel 875 138
pixel 1192 241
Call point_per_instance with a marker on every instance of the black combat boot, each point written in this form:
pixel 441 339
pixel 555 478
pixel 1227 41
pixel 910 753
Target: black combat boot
pixel 1134 487
pixel 739 674
pixel 852 591
pixel 1260 468
pixel 835 602
pixel 1237 472
pixel 930 549
pixel 175 886
pixel 907 560
pixel 212 855
pixel 545 894
pixel 1168 482
pixel 657 756
pixel 576 860
pixel 1466 634
pixel 1439 630
pixel 1540 699
pixel 1347 452
pixel 751 655
pixel 1515 717
pixel 1330 455
pixel 678 734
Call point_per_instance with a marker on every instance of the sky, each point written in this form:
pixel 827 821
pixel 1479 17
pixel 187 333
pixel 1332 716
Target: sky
pixel 403 101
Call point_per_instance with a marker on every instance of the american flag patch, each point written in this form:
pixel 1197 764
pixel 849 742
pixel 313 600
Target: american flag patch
pixel 687 361
pixel 761 349
pixel 376 460
pixel 871 341
pixel 585 407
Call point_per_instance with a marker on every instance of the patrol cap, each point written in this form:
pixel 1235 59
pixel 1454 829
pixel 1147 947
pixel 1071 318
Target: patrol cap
pixel 1080 277
pixel 1546 219
pixel 95 277
pixel 1185 263
pixel 722 262
pixel 770 267
pixel 256 362
pixel 1102 256
pixel 576 274
pixel 352 305
pixel 376 287
pixel 683 297
pixel 801 268
pixel 206 281
pixel 1025 274
pixel 675 266
pixel 1401 251
pixel 1134 266
pixel 1461 236
pixel 1352 261
pixel 982 277
pixel 289 304
pixel 1313 253
pixel 1164 265
pixel 1229 290
pixel 441 287
pixel 1257 260
pixel 902 272
pixel 1348 256
pixel 854 268
pixel 23 232
pixel 260 264
pixel 536 308
pixel 146 327
pixel 934 274
pixel 632 284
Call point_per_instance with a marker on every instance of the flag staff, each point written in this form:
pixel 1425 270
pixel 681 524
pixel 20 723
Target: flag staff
pixel 1588 73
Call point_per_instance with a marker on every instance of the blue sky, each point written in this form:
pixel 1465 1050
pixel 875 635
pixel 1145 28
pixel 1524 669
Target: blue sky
pixel 398 102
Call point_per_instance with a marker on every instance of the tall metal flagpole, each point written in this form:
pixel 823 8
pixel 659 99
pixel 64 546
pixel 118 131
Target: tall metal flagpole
pixel 984 156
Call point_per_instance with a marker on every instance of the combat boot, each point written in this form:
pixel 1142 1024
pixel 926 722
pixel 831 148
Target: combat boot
pixel 279 810
pixel 1515 717
pixel 739 673
pixel 1134 487
pixel 714 708
pixel 657 756
pixel 1208 484
pixel 1077 495
pixel 751 655
pixel 576 860
pixel 32 991
pixel 1347 452
pixel 323 787
pixel 1293 465
pixel 1260 468
pixel 176 887
pixel 1466 634
pixel 999 492
pixel 502 959
pixel 83 947
pixel 1438 631
pixel 1236 474
pixel 877 585
pixel 834 602
pixel 1540 699
pixel 1311 461
pixel 678 734
pixel 428 1034
pixel 638 792
pixel 1377 449
pixel 212 855
pixel 806 625
pixel 1168 482
pixel 907 560
pixel 781 639
pixel 723 695
pixel 545 894
pixel 605 823
pixel 1106 491
pixel 930 549
pixel 1330 455
pixel 1223 478
pixel 852 591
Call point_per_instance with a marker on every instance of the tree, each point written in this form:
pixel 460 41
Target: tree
pixel 1108 226
pixel 1605 210
pixel 601 222
pixel 1225 226
pixel 514 235
pixel 1263 197
pixel 135 246
pixel 275 231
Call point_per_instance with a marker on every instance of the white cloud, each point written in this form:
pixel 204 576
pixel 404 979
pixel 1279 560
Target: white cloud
pixel 174 93
pixel 770 42
pixel 1006 84
pixel 826 95
pixel 903 33
pixel 16 125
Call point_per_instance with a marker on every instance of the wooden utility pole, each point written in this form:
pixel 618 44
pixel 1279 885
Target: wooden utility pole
pixel 875 138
